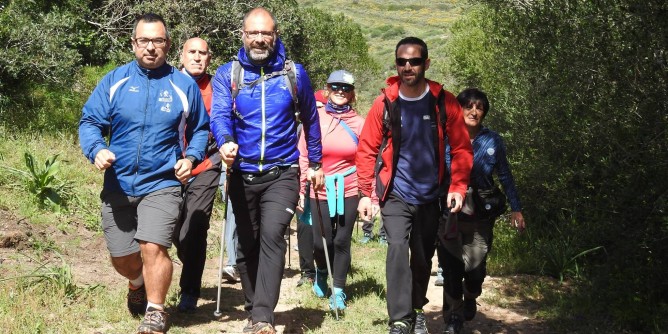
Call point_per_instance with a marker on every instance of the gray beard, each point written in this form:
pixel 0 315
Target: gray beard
pixel 259 57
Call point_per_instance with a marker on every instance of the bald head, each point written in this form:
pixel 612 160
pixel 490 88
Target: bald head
pixel 259 16
pixel 195 56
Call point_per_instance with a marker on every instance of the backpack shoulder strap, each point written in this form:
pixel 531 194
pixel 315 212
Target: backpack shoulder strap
pixel 386 121
pixel 291 80
pixel 440 103
pixel 236 77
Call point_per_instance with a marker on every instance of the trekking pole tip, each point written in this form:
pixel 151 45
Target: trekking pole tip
pixel 217 314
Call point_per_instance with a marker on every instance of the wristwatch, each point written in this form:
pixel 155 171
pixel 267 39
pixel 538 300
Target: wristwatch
pixel 315 165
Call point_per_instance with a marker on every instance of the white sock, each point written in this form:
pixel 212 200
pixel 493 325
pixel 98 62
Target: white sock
pixel 137 282
pixel 155 306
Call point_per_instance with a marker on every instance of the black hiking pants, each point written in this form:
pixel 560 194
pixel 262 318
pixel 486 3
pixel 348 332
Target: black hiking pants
pixel 194 224
pixel 411 234
pixel 305 245
pixel 263 212
pixel 465 264
pixel 338 235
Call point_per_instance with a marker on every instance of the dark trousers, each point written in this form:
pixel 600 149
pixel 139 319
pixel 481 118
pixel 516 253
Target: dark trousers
pixel 465 264
pixel 194 224
pixel 367 228
pixel 338 235
pixel 263 212
pixel 411 235
pixel 305 244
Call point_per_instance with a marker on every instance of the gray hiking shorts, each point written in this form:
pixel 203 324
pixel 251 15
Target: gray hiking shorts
pixel 126 220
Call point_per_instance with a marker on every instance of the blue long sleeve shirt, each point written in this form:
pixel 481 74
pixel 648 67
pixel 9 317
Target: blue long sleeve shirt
pixel 489 157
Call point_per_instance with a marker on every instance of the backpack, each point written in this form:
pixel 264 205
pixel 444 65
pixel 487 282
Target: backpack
pixel 289 72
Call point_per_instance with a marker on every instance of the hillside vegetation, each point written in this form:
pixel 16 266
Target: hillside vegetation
pixel 578 91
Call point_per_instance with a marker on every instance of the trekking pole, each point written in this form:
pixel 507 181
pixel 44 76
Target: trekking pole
pixel 324 243
pixel 289 247
pixel 217 313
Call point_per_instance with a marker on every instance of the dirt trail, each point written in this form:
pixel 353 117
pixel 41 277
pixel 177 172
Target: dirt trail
pixel 90 265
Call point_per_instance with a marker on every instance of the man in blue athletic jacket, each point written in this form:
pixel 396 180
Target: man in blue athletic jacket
pixel 256 134
pixel 147 108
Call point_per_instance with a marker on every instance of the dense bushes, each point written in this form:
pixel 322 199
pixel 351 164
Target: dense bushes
pixel 579 91
pixel 48 44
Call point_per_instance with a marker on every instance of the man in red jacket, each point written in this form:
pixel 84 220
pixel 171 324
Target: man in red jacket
pixel 200 191
pixel 405 131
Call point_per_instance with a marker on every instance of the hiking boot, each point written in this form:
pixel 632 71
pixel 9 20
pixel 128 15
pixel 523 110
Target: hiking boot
pixel 338 300
pixel 320 283
pixel 420 323
pixel 366 238
pixel 439 277
pixel 137 300
pixel 188 303
pixel 400 327
pixel 154 322
pixel 259 328
pixel 470 309
pixel 304 280
pixel 230 274
pixel 454 325
pixel 382 240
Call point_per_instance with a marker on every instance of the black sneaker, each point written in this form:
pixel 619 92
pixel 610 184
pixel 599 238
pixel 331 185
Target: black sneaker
pixel 454 325
pixel 470 309
pixel 304 280
pixel 155 321
pixel 400 327
pixel 420 323
pixel 137 300
pixel 259 328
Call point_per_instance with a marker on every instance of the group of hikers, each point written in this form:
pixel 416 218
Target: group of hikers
pixel 421 157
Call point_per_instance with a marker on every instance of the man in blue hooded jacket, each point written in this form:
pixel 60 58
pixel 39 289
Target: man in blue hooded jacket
pixel 255 126
pixel 147 108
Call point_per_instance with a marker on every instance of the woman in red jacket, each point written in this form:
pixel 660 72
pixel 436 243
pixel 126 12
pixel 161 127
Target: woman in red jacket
pixel 340 126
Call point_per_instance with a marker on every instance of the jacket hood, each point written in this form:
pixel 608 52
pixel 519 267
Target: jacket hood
pixel 276 61
pixel 393 83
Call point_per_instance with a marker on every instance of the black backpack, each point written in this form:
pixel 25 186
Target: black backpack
pixel 289 72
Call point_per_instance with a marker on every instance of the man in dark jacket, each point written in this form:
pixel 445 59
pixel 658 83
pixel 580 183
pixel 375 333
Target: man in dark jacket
pixel 145 107
pixel 404 132
pixel 254 122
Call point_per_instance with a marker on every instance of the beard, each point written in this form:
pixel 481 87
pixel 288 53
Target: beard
pixel 259 53
pixel 418 77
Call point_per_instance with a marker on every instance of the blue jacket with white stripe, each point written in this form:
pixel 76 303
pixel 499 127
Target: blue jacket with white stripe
pixel 147 114
pixel 261 119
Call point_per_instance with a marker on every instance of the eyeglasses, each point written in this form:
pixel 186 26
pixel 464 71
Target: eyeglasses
pixel 341 87
pixel 412 61
pixel 263 34
pixel 157 42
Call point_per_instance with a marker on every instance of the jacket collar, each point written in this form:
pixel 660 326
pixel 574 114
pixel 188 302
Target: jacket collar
pixel 161 71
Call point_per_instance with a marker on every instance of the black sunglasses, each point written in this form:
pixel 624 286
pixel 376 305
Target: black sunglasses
pixel 337 87
pixel 412 61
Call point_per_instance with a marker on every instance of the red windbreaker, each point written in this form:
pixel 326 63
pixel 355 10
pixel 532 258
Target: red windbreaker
pixel 371 139
pixel 204 84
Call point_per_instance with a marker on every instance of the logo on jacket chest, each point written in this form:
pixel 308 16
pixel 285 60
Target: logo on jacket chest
pixel 165 96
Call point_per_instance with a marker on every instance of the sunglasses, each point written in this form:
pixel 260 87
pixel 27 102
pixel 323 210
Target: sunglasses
pixel 345 88
pixel 412 61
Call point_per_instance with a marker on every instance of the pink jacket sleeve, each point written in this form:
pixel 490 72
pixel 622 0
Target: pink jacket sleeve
pixel 303 162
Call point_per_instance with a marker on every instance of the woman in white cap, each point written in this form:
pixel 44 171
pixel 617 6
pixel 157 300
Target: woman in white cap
pixel 340 126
